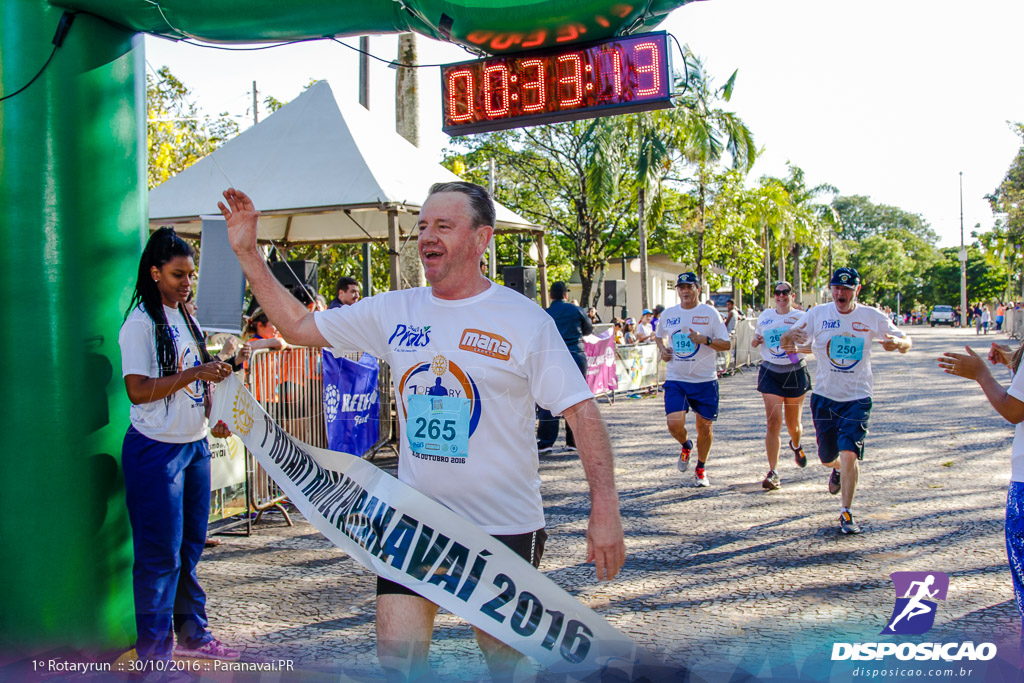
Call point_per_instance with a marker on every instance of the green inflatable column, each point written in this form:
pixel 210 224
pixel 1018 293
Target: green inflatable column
pixel 72 224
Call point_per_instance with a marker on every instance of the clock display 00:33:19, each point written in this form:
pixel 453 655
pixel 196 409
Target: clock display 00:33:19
pixel 621 74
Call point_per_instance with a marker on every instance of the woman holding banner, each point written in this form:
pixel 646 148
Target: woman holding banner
pixel 166 458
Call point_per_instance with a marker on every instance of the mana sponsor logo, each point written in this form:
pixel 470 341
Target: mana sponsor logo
pixel 914 614
pixel 486 344
pixel 700 320
pixel 861 327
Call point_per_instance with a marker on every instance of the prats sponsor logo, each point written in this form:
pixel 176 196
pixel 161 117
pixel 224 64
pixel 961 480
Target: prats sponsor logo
pixel 486 344
pixel 861 327
pixel 830 324
pixel 673 321
pixel 410 335
pixel 700 320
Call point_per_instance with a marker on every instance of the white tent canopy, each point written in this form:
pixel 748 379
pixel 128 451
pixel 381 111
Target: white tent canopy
pixel 321 170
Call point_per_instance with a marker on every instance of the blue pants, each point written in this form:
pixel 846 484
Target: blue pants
pixel 167 488
pixel 547 428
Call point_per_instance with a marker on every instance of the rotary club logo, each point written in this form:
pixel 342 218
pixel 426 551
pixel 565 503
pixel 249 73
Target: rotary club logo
pixel 243 412
pixel 439 366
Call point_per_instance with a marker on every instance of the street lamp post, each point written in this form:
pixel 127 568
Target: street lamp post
pixel 963 259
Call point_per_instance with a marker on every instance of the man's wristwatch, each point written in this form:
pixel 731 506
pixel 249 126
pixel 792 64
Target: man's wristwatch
pixel 709 340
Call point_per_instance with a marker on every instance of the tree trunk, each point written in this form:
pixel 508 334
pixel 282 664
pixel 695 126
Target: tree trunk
pixel 782 260
pixel 700 236
pixel 798 288
pixel 767 266
pixel 407 125
pixel 642 236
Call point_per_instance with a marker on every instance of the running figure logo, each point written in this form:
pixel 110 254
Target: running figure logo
pixel 914 612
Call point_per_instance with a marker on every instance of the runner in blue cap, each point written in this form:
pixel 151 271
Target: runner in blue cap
pixel 695 332
pixel 839 333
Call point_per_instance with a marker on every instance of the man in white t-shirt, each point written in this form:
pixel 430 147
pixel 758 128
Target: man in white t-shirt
pixel 694 333
pixel 481 356
pixel 840 334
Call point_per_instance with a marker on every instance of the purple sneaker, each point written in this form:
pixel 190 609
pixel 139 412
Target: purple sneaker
pixel 212 649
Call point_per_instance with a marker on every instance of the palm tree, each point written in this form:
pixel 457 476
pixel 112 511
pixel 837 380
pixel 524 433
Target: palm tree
pixel 703 133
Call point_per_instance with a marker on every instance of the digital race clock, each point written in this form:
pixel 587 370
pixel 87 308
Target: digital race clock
pixel 614 76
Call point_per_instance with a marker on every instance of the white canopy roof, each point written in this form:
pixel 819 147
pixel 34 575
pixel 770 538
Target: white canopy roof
pixel 320 169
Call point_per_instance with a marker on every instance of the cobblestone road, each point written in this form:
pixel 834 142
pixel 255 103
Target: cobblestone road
pixel 720 579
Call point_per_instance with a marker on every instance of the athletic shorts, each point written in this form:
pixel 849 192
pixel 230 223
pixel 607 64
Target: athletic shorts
pixel 787 382
pixel 840 426
pixel 529 546
pixel 702 397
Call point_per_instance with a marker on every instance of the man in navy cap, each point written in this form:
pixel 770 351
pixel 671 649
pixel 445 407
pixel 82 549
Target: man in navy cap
pixel 840 334
pixel 695 333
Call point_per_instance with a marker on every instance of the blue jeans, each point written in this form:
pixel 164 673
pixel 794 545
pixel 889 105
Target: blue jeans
pixel 547 428
pixel 167 489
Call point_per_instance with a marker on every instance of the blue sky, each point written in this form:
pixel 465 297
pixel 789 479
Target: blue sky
pixel 885 98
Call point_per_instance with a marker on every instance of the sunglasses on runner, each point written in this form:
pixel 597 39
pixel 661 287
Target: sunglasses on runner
pixel 782 292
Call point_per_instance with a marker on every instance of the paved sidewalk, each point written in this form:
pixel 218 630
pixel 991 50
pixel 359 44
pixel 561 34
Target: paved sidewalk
pixel 720 580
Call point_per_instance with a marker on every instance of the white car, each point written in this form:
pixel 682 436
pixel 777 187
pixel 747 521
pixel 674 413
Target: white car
pixel 942 315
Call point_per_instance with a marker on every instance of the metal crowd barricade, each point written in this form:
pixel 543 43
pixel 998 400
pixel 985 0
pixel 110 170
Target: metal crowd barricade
pixel 289 385
pixel 1013 323
pixel 741 354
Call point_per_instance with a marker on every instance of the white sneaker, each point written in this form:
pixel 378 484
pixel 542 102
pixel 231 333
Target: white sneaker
pixel 700 479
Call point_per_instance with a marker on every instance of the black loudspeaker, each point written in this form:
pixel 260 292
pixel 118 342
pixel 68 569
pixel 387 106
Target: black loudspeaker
pixel 523 279
pixel 294 275
pixel 614 293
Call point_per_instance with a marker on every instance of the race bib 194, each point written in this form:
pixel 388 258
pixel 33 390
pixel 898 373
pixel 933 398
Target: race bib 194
pixel 682 344
pixel 438 425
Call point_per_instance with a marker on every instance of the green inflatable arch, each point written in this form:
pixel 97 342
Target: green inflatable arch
pixel 73 223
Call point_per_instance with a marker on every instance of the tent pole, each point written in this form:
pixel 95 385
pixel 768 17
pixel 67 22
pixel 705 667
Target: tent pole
pixel 542 267
pixel 393 245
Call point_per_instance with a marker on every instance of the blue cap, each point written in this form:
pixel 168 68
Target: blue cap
pixel 845 277
pixel 687 279
pixel 648 311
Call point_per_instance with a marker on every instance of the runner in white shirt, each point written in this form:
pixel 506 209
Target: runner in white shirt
pixel 840 334
pixel 782 380
pixel 477 357
pixel 695 332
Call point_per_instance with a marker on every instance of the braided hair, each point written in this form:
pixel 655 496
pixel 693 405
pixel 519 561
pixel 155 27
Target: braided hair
pixel 163 245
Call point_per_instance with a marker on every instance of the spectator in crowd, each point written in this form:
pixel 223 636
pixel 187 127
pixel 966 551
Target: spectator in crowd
pixel 347 292
pixel 628 333
pixel 986 319
pixel 658 310
pixel 572 326
pixel 593 315
pixel 168 375
pixel 644 329
pixel 620 335
pixel 1000 314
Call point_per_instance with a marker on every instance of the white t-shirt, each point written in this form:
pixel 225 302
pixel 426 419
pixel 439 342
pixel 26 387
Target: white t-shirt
pixel 496 351
pixel 644 331
pixel 691 363
pixel 771 326
pixel 182 417
pixel 1017 454
pixel 842 345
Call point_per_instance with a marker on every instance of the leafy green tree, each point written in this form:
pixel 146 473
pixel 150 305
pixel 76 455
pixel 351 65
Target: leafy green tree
pixel 1008 198
pixel 177 134
pixel 705 133
pixel 985 281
